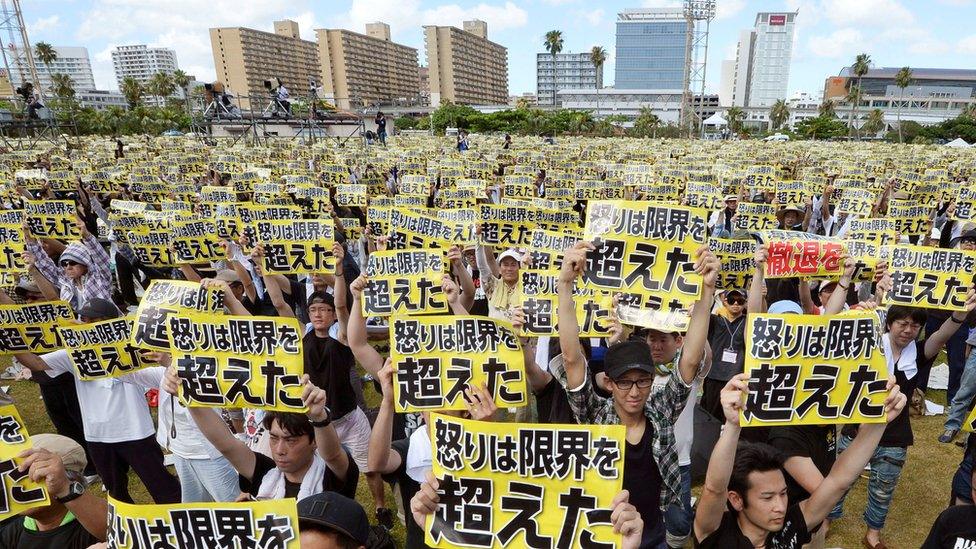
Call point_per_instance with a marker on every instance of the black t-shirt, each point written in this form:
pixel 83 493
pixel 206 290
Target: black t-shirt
pixel 643 480
pixel 328 363
pixel 408 487
pixel 955 527
pixel 725 335
pixel 330 482
pixel 729 536
pixel 817 442
pixel 67 536
pixel 553 404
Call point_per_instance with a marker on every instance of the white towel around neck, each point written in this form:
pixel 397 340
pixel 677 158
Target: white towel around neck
pixel 273 483
pixel 907 362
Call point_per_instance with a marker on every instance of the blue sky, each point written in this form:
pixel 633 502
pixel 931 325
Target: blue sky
pixel 830 33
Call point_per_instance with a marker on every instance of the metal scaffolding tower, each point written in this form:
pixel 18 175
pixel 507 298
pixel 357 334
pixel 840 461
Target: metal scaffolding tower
pixel 698 15
pixel 17 52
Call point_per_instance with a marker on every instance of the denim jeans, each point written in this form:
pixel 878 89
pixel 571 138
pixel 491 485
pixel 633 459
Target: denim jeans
pixel 886 466
pixel 964 396
pixel 679 517
pixel 207 480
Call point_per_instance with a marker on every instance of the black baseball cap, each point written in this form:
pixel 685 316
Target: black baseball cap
pixel 336 512
pixel 99 308
pixel 626 356
pixel 729 292
pixel 968 235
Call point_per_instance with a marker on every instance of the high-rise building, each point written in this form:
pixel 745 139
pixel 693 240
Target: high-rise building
pixel 360 69
pixel 72 61
pixel 142 62
pixel 572 71
pixel 761 71
pixel 245 58
pixel 464 66
pixel 651 49
pixel 424 74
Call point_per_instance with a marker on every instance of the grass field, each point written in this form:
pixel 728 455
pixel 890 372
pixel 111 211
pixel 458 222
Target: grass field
pixel 921 495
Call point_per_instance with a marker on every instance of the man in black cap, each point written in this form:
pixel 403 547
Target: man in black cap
pixel 119 429
pixel 332 521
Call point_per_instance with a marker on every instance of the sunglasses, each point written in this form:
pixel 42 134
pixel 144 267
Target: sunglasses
pixel 736 301
pixel 69 263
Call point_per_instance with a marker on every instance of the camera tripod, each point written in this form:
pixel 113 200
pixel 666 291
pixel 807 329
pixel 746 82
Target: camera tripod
pixel 277 107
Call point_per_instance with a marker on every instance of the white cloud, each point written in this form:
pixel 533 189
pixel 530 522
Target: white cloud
pixel 559 2
pixel 43 24
pixel 870 13
pixel 967 45
pixel 409 14
pixel 507 16
pixel 840 43
pixel 661 3
pixel 958 3
pixel 915 40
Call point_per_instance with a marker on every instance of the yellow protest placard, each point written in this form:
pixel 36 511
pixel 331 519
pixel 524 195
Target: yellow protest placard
pixel 263 524
pixel 12 248
pixel 932 278
pixel 517 487
pixel 196 241
pixel 910 218
pixel 736 257
pixel 19 491
pixel 866 256
pixel 297 245
pixel 238 361
pixel 435 358
pixel 52 219
pixel 351 195
pixel 879 231
pixel 814 370
pixel 404 282
pixel 547 247
pixel 152 248
pixel 800 254
pixel 965 204
pixel 164 298
pixel 507 226
pixel 751 216
pixel 540 304
pixel 410 230
pixel 31 327
pixel 646 249
pixel 102 349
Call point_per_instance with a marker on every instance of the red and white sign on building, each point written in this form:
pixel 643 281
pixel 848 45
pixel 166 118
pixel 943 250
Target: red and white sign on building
pixel 777 19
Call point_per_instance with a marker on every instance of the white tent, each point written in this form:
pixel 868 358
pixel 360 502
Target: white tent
pixel 715 120
pixel 958 143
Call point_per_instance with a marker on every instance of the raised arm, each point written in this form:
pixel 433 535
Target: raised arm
pixel 835 304
pixel 485 257
pixel 43 265
pixel 952 324
pixel 757 303
pixel 696 337
pixel 99 280
pixel 850 463
pixel 234 256
pixel 230 300
pixel 341 294
pixel 463 277
pixel 574 260
pixel 326 438
pixel 48 290
pixel 452 294
pixel 380 459
pixel 271 284
pixel 715 490
pixel 47 467
pixel 365 354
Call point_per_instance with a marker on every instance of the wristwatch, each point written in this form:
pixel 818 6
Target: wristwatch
pixel 325 422
pixel 75 491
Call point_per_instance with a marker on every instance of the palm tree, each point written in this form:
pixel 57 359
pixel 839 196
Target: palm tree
pixel 132 90
pixel 778 114
pixel 734 118
pixel 45 53
pixel 161 85
pixel 852 98
pixel 62 86
pixel 181 80
pixel 646 120
pixel 860 67
pixel 827 109
pixel 598 56
pixel 554 45
pixel 874 123
pixel 970 111
pixel 903 79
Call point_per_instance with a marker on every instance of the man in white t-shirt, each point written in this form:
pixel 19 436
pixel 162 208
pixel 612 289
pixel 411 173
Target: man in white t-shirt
pixel 118 427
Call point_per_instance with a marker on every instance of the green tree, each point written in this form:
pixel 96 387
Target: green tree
pixel 875 122
pixel 646 123
pixel 598 56
pixel 132 90
pixel 778 114
pixel 45 53
pixel 182 81
pixel 827 109
pixel 821 127
pixel 862 63
pixel 62 86
pixel 903 79
pixel 853 98
pixel 970 110
pixel 734 117
pixel 554 45
pixel 162 86
pixel 450 115
pixel 405 123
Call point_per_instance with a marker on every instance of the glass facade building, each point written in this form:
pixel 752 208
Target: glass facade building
pixel 651 49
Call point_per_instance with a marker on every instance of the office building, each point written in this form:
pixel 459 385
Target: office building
pixel 651 49
pixel 935 95
pixel 760 73
pixel 424 74
pixel 142 62
pixel 244 58
pixel 72 61
pixel 362 69
pixel 464 66
pixel 572 71
pixel 101 100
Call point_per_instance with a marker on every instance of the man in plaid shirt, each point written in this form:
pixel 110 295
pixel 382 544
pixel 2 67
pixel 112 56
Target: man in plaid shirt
pixel 651 471
pixel 84 270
